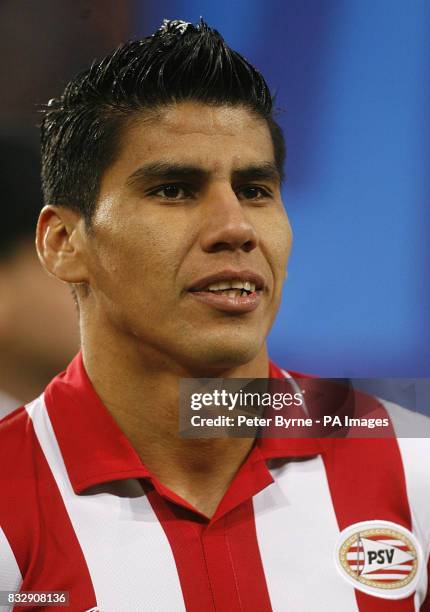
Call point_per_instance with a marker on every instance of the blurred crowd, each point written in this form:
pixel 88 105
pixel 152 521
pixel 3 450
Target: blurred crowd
pixel 38 323
pixel 38 319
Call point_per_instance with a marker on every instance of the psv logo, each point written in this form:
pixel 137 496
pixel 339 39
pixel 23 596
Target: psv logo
pixel 379 558
pixel 374 550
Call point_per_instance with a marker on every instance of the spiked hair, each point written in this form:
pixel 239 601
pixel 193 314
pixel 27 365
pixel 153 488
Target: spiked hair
pixel 80 131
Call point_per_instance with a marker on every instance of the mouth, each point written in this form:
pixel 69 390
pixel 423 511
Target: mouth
pixel 230 291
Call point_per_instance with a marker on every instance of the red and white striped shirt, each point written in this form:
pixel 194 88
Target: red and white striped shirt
pixel 79 512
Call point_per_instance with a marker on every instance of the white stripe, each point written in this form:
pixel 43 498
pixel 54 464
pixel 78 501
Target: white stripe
pixel 409 568
pixel 415 454
pixel 10 575
pixel 297 537
pixel 296 389
pixel 127 552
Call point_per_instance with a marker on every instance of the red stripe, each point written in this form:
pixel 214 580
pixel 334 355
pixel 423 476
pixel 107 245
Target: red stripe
pixel 388 581
pixel 361 562
pixel 218 563
pixel 377 538
pixel 367 482
pixel 184 538
pixel 361 559
pixel 388 571
pixel 244 554
pixel 34 518
pixel 360 548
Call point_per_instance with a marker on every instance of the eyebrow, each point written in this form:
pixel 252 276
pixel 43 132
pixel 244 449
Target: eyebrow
pixel 264 171
pixel 163 170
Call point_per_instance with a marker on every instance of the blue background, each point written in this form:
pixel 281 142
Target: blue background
pixel 352 80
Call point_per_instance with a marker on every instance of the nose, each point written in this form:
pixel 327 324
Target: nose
pixel 226 226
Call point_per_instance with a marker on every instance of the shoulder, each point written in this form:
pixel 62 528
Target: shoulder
pixel 412 431
pixel 14 476
pixel 413 439
pixel 22 476
pixel 15 435
pixel 23 467
pixel 18 441
pixel 18 448
pixel 407 423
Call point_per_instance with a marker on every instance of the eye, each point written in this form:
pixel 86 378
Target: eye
pixel 174 191
pixel 253 192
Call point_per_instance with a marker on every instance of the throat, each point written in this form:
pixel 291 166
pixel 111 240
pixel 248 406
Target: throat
pixel 200 473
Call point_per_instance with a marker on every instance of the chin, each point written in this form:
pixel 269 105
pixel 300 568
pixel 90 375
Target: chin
pixel 224 355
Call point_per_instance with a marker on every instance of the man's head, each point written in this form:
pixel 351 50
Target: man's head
pixel 38 328
pixel 161 171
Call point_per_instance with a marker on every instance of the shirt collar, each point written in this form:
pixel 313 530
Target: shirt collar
pixel 94 448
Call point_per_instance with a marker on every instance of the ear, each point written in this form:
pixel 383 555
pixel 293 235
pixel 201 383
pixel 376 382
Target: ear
pixel 60 242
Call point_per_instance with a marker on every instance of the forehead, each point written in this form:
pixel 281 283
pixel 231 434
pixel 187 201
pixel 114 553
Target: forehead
pixel 218 138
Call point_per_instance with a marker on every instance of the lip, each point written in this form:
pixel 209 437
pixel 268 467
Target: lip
pixel 238 305
pixel 225 275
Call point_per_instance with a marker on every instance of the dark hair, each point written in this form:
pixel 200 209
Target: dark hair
pixel 20 193
pixel 180 61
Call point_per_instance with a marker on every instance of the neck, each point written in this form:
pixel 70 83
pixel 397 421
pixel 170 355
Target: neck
pixel 140 388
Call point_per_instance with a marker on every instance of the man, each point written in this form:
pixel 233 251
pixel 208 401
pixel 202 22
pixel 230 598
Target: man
pixel 162 167
pixel 38 326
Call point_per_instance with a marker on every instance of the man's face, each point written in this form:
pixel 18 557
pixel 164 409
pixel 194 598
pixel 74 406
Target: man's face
pixel 190 208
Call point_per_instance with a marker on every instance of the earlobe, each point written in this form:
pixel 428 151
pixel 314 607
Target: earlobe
pixel 59 243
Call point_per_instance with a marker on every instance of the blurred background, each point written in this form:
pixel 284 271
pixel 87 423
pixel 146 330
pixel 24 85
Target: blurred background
pixel 352 92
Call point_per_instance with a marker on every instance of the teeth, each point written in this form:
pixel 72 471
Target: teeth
pixel 233 284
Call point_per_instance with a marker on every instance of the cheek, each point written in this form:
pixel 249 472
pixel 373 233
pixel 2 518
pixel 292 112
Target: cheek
pixel 284 240
pixel 138 262
pixel 278 245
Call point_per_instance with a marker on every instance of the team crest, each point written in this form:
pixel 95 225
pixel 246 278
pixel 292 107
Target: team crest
pixel 379 558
